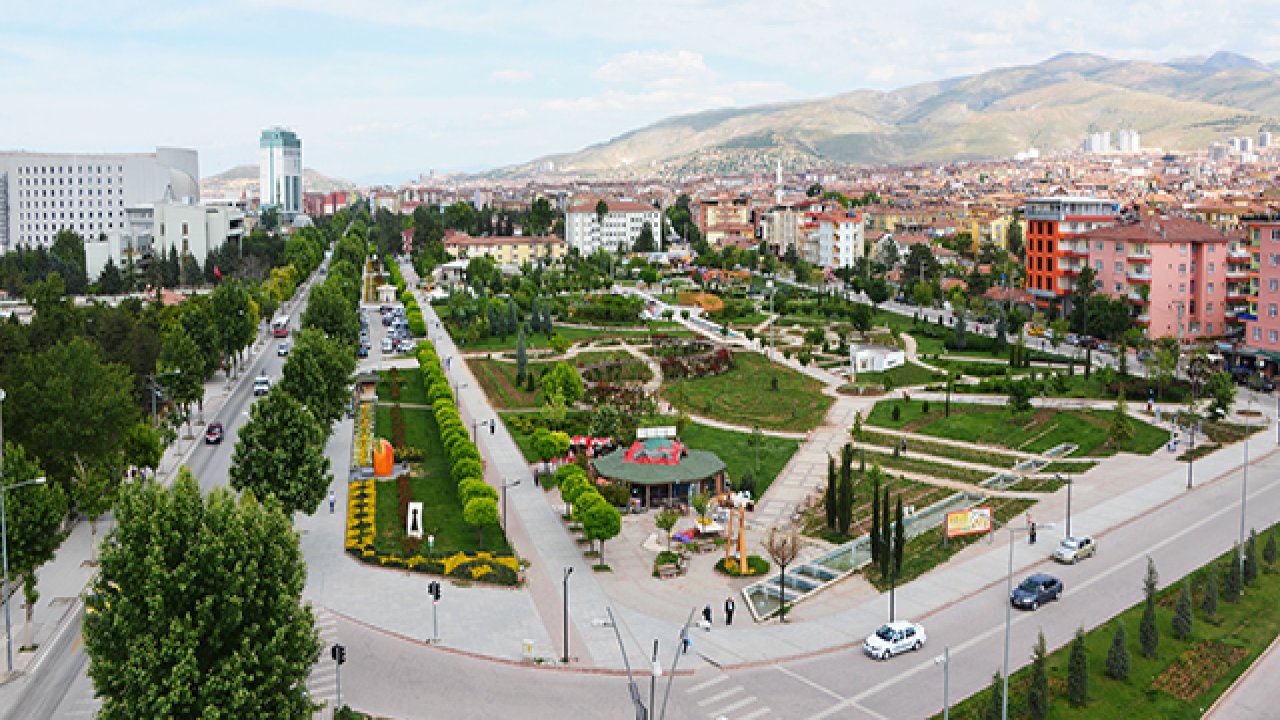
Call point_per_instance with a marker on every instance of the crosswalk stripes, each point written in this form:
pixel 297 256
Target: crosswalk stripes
pixel 321 684
pixel 721 698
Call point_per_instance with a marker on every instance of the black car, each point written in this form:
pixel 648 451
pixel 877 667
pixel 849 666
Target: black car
pixel 213 434
pixel 1260 383
pixel 1036 590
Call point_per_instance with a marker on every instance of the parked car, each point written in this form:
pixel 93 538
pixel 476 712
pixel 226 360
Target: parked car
pixel 282 349
pixel 894 638
pixel 387 345
pixel 1260 383
pixel 1074 549
pixel 214 433
pixel 1035 591
pixel 261 385
pixel 363 352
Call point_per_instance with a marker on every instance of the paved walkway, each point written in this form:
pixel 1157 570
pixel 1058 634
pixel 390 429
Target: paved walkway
pixel 1254 695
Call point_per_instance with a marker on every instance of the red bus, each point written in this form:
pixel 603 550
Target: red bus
pixel 280 327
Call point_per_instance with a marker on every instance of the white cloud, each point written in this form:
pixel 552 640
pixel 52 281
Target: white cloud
pixel 648 67
pixel 511 76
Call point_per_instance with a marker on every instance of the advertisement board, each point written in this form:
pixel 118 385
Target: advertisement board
pixel 968 522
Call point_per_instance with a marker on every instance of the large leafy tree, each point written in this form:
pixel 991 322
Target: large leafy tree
pixel 176 627
pixel 33 522
pixel 281 453
pixel 65 398
pixel 181 368
pixel 563 382
pixel 235 318
pixel 318 374
pixel 330 312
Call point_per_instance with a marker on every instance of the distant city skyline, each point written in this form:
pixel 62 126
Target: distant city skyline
pixel 385 89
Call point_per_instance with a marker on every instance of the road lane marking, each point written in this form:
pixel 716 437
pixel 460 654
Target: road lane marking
pixel 810 683
pixel 755 714
pixel 709 683
pixel 724 711
pixel 721 696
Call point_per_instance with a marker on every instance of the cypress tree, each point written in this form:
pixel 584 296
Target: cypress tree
pixel 535 318
pixel 1118 655
pixel 1251 558
pixel 1148 632
pixel 832 502
pixel 899 537
pixel 1078 672
pixel 1182 618
pixel 886 535
pixel 1269 550
pixel 845 503
pixel 1235 579
pixel 1210 603
pixel 522 358
pixel 995 698
pixel 513 319
pixel 875 518
pixel 1038 693
pixel 546 319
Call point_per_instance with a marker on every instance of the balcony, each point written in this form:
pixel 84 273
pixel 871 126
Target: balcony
pixel 1143 319
pixel 1136 297
pixel 1143 256
pixel 1138 277
pixel 1237 273
pixel 1238 256
pixel 1070 251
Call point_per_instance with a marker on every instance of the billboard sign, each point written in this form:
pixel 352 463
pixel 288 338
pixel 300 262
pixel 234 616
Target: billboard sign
pixel 969 522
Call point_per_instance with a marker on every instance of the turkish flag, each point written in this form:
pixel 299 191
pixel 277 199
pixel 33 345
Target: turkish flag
pixel 217 272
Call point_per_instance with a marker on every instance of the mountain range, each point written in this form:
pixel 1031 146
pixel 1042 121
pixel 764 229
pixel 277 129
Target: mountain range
pixel 1182 104
pixel 242 180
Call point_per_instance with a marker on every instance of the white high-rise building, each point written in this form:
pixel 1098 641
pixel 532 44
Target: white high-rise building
pixel 42 193
pixel 1129 141
pixel 622 224
pixel 280 171
pixel 1098 142
pixel 1264 139
pixel 836 241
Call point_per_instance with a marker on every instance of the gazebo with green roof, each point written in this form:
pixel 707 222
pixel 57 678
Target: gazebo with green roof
pixel 663 469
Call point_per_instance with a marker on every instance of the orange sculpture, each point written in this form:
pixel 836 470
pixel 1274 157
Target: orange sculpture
pixel 383 458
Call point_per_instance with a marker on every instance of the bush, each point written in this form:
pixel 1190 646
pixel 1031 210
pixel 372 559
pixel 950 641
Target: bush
pixel 616 494
pixel 896 413
pixel 1118 656
pixel 1182 617
pixel 1078 672
pixel 756 565
pixel 924 407
pixel 466 468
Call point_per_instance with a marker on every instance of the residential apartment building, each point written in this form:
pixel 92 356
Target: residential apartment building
pixel 280 171
pixel 726 220
pixel 1054 254
pixel 43 193
pixel 833 239
pixel 620 229
pixel 1256 299
pixel 1173 271
pixel 513 251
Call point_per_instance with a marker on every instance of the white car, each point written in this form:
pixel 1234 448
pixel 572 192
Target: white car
pixel 387 345
pixel 261 385
pixel 283 349
pixel 893 638
pixel 1074 549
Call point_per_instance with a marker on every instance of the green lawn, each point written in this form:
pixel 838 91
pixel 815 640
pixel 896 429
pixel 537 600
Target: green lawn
pixel 1034 431
pixel 498 380
pixel 412 390
pixel 1245 628
pixel 902 376
pixel 983 456
pixel 744 396
pixel 737 452
pixel 540 341
pixel 431 485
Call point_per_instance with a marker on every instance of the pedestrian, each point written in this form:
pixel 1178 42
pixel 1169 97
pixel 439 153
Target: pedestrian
pixel 684 640
pixel 333 500
pixel 1032 533
pixel 728 611
pixel 904 446
pixel 706 615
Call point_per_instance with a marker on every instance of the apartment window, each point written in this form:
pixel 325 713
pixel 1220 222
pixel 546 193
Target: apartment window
pixel 1275 335
pixel 1099 246
pixel 1275 234
pixel 1275 260
pixel 1208 328
pixel 1274 285
pixel 1097 265
pixel 1208 308
pixel 1272 310
pixel 1119 288
pixel 1119 247
pixel 1210 290
pixel 1210 268
pixel 1182 269
pixel 1119 267
pixel 1182 249
pixel 1182 288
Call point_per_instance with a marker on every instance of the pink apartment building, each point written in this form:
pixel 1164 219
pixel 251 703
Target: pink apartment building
pixel 1259 296
pixel 1173 271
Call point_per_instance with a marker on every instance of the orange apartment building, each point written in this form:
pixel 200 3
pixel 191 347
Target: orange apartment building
pixel 1055 256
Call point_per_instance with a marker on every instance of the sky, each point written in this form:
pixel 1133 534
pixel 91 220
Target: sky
pixel 382 90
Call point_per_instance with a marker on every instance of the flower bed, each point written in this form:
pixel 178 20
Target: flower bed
pixel 362 455
pixel 1198 668
pixel 756 565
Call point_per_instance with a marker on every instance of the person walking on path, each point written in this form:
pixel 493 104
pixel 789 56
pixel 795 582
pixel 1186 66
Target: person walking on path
pixel 333 501
pixel 706 615
pixel 1032 533
pixel 684 640
pixel 728 611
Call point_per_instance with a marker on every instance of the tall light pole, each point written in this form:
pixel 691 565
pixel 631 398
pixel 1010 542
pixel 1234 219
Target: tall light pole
pixel 772 320
pixel 1008 617
pixel 506 485
pixel 4 540
pixel 567 572
pixel 1244 478
pixel 945 661
pixel 1069 482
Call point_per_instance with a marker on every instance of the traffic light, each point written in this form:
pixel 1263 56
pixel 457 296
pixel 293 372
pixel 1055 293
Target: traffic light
pixel 433 589
pixel 339 653
pixel 492 424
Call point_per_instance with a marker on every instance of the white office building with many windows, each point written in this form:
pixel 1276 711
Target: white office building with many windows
pixel 280 172
pixel 43 193
pixel 620 229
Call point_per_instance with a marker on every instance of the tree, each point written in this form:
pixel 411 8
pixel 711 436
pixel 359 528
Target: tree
pixel 332 313
pixel 1118 655
pixel 876 550
pixel 602 522
pixel 783 546
pixel 280 453
pixel 1121 427
pixel 64 397
pixel 181 367
pixel 1013 241
pixel 175 626
pixel 666 519
pixel 67 254
pixel 1269 550
pixel 1182 617
pixel 94 491
pixel 606 421
pixel 886 535
pixel 899 536
pixel 920 265
pixel 1235 578
pixel 318 375
pixel 644 241
pixel 548 444
pixel 1019 396
pixel 571 487
pixel 1148 632
pixel 1038 694
pixel 235 319
pixel 831 500
pixel 995 698
pixel 1209 606
pixel 110 281
pixel 522 357
pixel 844 499
pixel 33 518
pixel 563 382
pixel 1250 570
pixel 1222 394
pixel 480 513
pixel 1078 672
pixel 814 190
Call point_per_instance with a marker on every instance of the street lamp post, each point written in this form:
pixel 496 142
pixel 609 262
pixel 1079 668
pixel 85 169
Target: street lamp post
pixel 945 661
pixel 4 539
pixel 1069 482
pixel 506 485
pixel 1008 617
pixel 1244 478
pixel 567 572
pixel 772 319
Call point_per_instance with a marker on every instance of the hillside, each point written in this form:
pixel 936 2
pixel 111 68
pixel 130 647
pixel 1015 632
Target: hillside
pixel 1179 105
pixel 242 180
